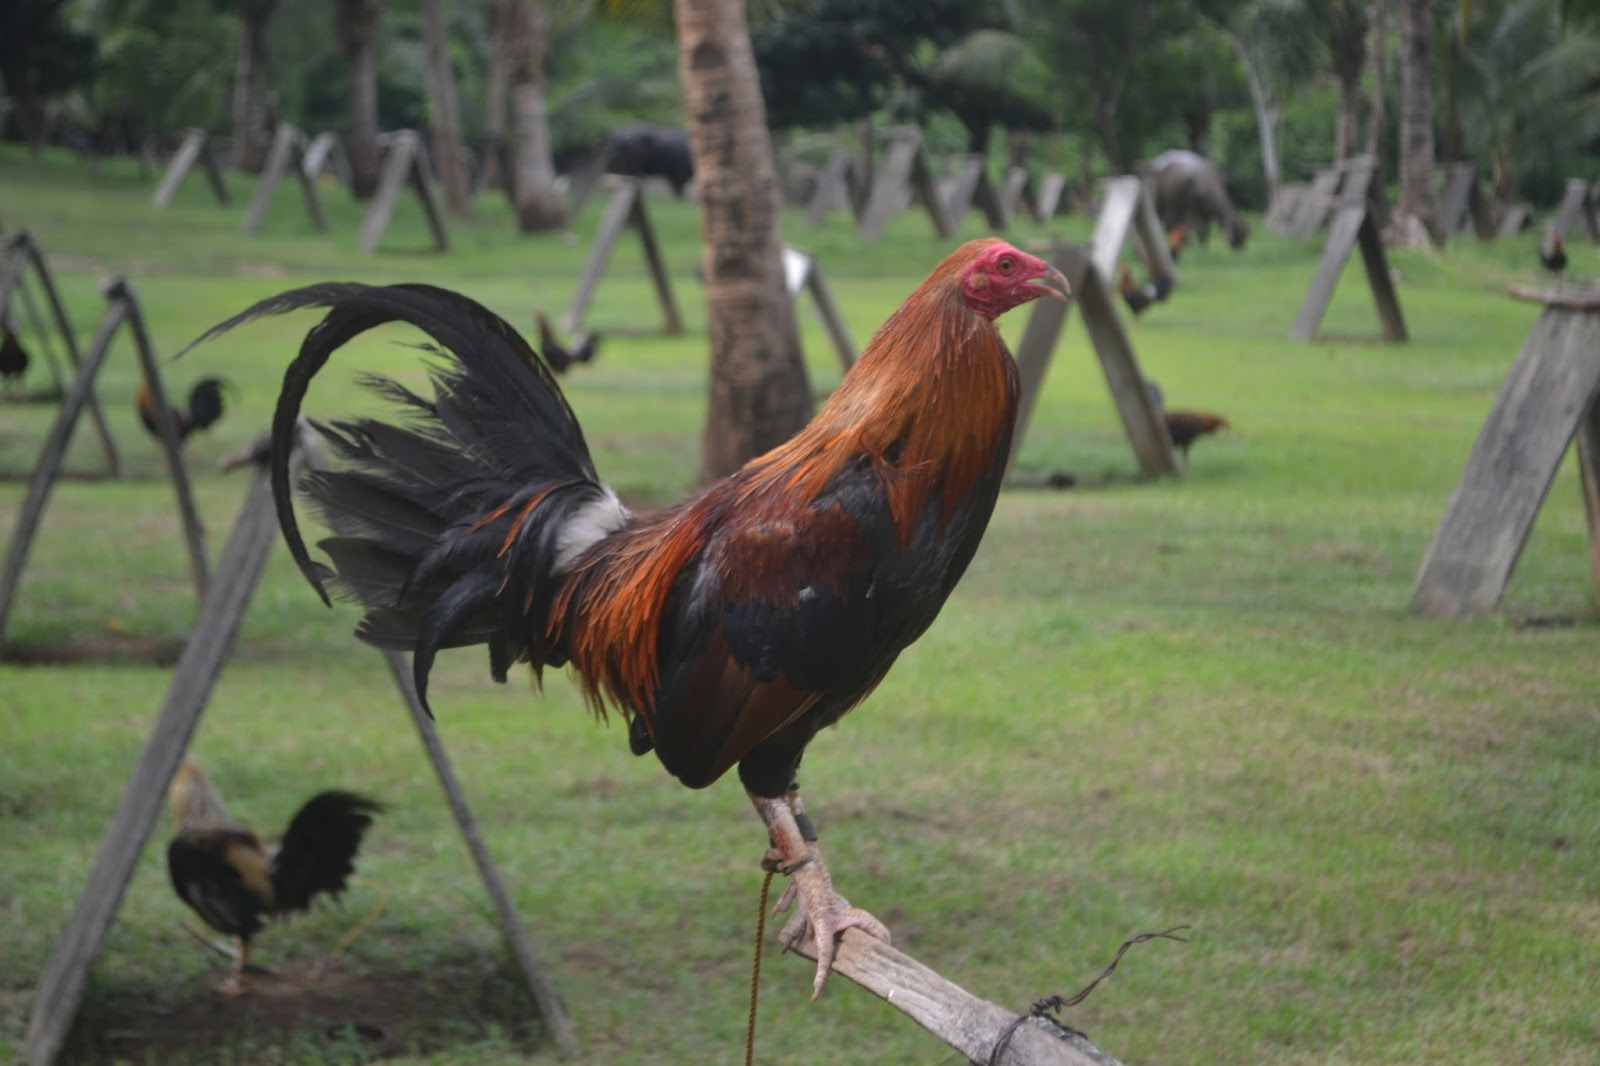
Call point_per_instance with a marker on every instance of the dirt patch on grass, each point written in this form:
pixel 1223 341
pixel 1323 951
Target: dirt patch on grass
pixel 154 651
pixel 310 1012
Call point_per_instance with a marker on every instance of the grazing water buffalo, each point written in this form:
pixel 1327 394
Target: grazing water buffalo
pixel 1189 191
pixel 651 152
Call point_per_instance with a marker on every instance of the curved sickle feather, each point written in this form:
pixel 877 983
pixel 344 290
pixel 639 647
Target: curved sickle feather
pixel 446 316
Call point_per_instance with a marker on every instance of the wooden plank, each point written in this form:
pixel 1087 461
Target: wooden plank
pixel 1516 219
pixel 1034 351
pixel 1014 191
pixel 966 171
pixel 51 456
pixel 925 187
pixel 1284 207
pixel 178 169
pixel 1119 202
pixel 1380 280
pixel 1575 207
pixel 1097 304
pixel 973 1026
pixel 552 1012
pixel 1051 193
pixel 1341 242
pixel 423 184
pixel 888 189
pixel 21 251
pixel 60 990
pixel 397 165
pixel 171 447
pixel 1588 438
pixel 325 154
pixel 639 219
pixel 1317 204
pixel 838 185
pixel 801 273
pixel 1153 247
pixel 1550 387
pixel 617 213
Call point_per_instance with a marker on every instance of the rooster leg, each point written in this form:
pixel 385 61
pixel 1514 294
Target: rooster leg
pixel 238 982
pixel 821 910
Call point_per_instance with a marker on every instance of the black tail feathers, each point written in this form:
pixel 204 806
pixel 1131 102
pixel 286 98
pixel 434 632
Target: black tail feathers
pixel 447 521
pixel 317 853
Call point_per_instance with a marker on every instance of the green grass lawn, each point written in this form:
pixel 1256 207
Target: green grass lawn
pixel 1195 701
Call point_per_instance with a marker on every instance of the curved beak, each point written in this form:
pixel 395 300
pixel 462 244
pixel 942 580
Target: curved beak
pixel 1053 283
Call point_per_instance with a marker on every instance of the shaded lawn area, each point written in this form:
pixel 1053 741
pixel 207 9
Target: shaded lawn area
pixel 1198 701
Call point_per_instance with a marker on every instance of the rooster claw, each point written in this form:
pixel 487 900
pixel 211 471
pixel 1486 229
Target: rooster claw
pixel 837 916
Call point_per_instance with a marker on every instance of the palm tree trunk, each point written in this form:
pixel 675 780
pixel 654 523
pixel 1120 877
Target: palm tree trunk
pixel 444 107
pixel 1377 109
pixel 252 110
pixel 356 25
pixel 759 392
pixel 538 201
pixel 1347 32
pixel 1416 115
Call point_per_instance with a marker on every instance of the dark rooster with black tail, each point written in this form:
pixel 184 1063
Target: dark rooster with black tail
pixel 1140 297
pixel 1186 427
pixel 1554 259
pixel 203 409
pixel 559 356
pixel 727 629
pixel 234 881
pixel 14 358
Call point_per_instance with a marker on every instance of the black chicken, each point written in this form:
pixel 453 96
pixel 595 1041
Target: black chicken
pixel 1554 259
pixel 558 355
pixel 203 409
pixel 14 358
pixel 1139 297
pixel 234 881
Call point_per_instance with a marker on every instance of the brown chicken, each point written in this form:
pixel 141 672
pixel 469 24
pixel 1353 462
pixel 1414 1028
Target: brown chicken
pixel 1186 427
pixel 728 629
pixel 202 410
pixel 1176 237
pixel 559 356
pixel 234 881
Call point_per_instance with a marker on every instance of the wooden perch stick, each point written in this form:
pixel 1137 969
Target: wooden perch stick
pixel 971 1025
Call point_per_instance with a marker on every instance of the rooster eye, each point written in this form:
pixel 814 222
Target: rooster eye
pixel 1006 264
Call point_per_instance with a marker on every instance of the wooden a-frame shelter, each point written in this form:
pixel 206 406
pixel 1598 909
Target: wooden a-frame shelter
pixel 1550 398
pixel 23 265
pixel 196 148
pixel 1356 221
pixel 626 210
pixel 60 989
pixel 405 164
pixel 287 156
pixel 1096 300
pixel 123 310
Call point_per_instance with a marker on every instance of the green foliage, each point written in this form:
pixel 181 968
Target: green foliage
pixel 164 64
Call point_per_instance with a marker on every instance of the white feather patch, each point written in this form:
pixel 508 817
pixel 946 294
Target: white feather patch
pixel 589 524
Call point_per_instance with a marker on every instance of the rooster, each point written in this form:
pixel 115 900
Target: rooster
pixel 1555 258
pixel 1139 297
pixel 558 355
pixel 728 629
pixel 14 358
pixel 1186 427
pixel 204 408
pixel 234 881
